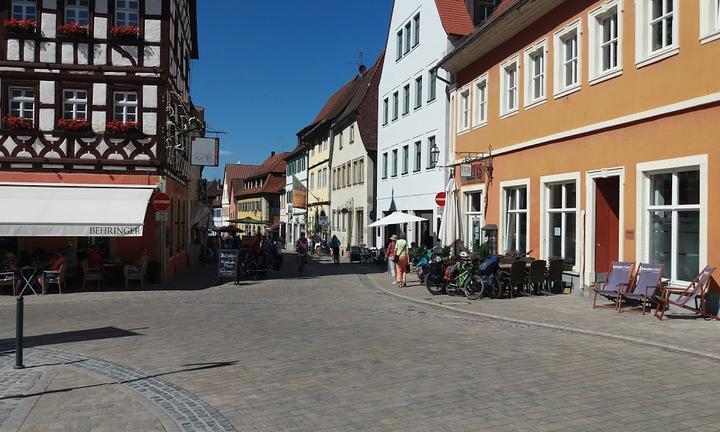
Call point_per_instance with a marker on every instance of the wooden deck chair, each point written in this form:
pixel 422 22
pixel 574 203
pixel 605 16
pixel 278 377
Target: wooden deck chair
pixel 695 291
pixel 618 280
pixel 644 287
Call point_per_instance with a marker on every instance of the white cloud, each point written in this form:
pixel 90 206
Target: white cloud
pixel 225 152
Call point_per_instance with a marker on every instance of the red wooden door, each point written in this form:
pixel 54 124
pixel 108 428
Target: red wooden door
pixel 607 222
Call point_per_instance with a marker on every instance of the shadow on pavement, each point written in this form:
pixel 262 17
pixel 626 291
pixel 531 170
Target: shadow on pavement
pixel 68 337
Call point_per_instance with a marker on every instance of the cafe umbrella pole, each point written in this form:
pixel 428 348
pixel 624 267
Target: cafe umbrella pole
pixel 20 306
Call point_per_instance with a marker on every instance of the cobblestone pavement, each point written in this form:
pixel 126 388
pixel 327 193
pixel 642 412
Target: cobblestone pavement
pixel 332 351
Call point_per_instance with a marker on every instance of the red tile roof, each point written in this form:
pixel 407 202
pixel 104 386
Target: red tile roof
pixel 337 102
pixel 239 171
pixel 455 17
pixel 275 164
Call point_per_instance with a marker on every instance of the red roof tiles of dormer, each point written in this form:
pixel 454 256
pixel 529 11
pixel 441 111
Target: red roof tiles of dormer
pixel 455 17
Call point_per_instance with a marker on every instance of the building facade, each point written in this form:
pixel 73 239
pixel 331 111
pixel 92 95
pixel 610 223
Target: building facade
pixel 95 95
pixel 413 111
pixel 258 202
pixel 296 179
pixel 595 157
pixel 233 182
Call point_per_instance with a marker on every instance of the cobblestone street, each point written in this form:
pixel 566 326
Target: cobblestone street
pixel 339 351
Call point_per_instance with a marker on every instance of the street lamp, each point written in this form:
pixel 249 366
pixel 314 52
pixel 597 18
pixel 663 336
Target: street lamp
pixel 434 155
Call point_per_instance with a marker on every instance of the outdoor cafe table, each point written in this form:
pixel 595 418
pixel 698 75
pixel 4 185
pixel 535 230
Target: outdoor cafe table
pixel 508 266
pixel 114 269
pixel 29 277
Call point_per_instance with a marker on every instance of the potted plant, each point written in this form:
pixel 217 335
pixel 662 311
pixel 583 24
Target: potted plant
pixel 73 125
pixel 73 30
pixel 120 127
pixel 20 26
pixel 17 123
pixel 125 32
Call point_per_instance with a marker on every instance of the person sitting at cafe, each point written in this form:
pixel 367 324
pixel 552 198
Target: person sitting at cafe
pixel 54 264
pixel 95 258
pixel 8 263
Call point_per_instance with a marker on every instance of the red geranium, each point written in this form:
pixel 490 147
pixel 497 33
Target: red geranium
pixel 73 30
pixel 125 32
pixel 17 123
pixel 119 127
pixel 20 26
pixel 73 124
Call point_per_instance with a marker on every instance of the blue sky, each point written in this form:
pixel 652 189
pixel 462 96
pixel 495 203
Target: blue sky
pixel 267 67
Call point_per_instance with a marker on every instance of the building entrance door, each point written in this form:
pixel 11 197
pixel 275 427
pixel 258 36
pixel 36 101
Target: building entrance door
pixel 607 223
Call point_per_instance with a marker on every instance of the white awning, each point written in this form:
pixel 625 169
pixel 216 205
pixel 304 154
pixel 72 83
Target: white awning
pixel 77 210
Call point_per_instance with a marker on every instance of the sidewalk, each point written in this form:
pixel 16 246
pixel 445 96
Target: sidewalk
pixel 575 314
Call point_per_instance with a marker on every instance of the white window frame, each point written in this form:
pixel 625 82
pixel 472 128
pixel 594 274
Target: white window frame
pixel 125 12
pixel 351 138
pixel 386 111
pixel 463 110
pixel 399 45
pixel 506 89
pixel 560 60
pixel 531 54
pixel 431 141
pixel 546 182
pixel 76 7
pixel 385 166
pixel 432 85
pixel 79 104
pixel 406 100
pixel 467 214
pixel 709 21
pixel 417 156
pixel 416 30
pixel 126 105
pixel 394 163
pixel 644 170
pixel 596 35
pixel 24 4
pixel 514 185
pixel 480 100
pixel 644 54
pixel 418 92
pixel 408 38
pixel 24 102
pixel 396 106
pixel 405 160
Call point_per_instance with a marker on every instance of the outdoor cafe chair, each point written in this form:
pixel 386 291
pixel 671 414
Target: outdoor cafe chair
pixel 8 279
pixel 54 278
pixel 646 282
pixel 91 274
pixel 136 272
pixel 518 278
pixel 536 277
pixel 695 291
pixel 555 276
pixel 618 279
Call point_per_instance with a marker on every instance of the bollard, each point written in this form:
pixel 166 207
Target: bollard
pixel 19 333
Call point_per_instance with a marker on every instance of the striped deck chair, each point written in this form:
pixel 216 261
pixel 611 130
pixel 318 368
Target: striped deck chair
pixel 647 281
pixel 695 292
pixel 618 280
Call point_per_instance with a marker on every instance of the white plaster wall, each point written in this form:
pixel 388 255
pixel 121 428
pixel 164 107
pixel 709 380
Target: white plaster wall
pixel 100 54
pixel 118 60
pixel 83 53
pixel 150 123
pixel 49 24
pixel 152 56
pixel 152 30
pixel 47 52
pixel 100 28
pixel 29 50
pixel 99 94
pixel 13 49
pixel 47 92
pixel 414 191
pixel 99 118
pixel 150 97
pixel 47 119
pixel 68 53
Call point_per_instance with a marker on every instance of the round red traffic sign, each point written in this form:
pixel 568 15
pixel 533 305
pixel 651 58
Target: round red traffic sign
pixel 440 199
pixel 161 201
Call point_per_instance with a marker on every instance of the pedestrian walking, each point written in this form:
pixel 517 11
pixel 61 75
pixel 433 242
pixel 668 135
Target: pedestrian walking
pixel 390 257
pixel 401 260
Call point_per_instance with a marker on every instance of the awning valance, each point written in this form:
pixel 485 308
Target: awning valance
pixel 77 210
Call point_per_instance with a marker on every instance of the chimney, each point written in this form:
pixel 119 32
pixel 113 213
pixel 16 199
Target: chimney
pixel 272 153
pixel 362 69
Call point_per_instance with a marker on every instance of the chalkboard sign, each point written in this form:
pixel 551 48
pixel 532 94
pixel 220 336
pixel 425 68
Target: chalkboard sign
pixel 227 264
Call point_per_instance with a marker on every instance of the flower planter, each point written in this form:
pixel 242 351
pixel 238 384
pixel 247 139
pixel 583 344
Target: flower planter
pixel 126 33
pixel 20 26
pixel 122 128
pixel 73 125
pixel 75 31
pixel 17 123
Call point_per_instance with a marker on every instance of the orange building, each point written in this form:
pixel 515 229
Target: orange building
pixel 601 119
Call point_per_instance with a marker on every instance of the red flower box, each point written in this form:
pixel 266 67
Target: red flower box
pixel 73 124
pixel 118 127
pixel 125 32
pixel 17 123
pixel 19 26
pixel 73 30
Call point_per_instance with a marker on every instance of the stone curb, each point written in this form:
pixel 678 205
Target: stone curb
pixel 369 283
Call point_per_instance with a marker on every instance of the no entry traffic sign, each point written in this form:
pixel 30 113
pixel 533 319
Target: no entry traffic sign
pixel 161 201
pixel 440 199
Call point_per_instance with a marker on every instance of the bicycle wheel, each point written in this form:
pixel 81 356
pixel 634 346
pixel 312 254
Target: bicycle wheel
pixel 473 287
pixel 434 284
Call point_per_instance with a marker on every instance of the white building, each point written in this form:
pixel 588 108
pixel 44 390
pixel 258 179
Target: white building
pixel 414 111
pixel 354 157
pixel 295 215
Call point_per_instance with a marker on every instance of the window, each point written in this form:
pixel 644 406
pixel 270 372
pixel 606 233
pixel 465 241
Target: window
pixel 535 74
pixel 516 219
pixel 405 159
pixel 418 92
pixel 384 165
pixel 406 99
pixel 432 84
pixel 481 101
pixel 340 140
pixel 657 30
pixel 24 10
pixel 125 106
pixel 127 13
pixel 394 163
pixel 407 38
pixel 464 111
pixel 361 170
pixel 354 172
pixel 399 46
pixel 386 109
pixel 567 59
pixel 396 103
pixel 561 226
pixel 709 20
pixel 416 30
pixel 605 39
pixel 474 216
pixel 418 156
pixel 673 221
pixel 430 145
pixel 483 10
pixel 509 83
pixel 22 102
pixel 343 178
pixel 352 134
pixel 312 180
pixel 74 104
pixel 77 12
